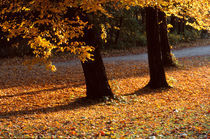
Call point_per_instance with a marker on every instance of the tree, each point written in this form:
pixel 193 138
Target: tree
pixel 157 73
pixel 166 54
pixel 49 29
pixel 97 85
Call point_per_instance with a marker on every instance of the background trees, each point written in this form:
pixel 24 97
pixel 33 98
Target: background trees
pixel 125 28
pixel 56 26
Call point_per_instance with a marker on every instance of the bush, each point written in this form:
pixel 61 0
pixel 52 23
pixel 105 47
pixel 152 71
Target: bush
pixel 14 47
pixel 175 38
pixel 204 34
pixel 187 36
pixel 191 35
pixel 141 39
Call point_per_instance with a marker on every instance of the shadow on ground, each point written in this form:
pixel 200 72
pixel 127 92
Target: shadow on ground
pixel 78 103
pixel 73 76
pixel 32 92
pixel 146 91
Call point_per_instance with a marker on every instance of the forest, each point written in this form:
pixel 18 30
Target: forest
pixel 104 69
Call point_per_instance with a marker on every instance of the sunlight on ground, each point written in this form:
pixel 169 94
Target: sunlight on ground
pixel 40 103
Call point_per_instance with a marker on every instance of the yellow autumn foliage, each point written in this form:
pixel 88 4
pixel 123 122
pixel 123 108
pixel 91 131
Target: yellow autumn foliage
pixel 62 32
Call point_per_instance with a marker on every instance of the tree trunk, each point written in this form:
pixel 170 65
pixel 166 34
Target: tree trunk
pixel 157 73
pixel 94 71
pixel 173 23
pixel 167 57
pixel 143 15
pixel 118 31
pixel 181 26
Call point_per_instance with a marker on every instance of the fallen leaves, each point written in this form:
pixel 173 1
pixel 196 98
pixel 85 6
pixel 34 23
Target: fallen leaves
pixel 37 103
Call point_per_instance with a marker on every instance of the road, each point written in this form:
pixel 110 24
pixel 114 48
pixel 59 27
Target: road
pixel 186 52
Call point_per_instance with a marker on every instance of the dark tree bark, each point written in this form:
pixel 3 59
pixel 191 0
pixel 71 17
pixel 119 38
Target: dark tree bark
pixel 94 71
pixel 143 15
pixel 181 26
pixel 173 23
pixel 118 31
pixel 167 57
pixel 97 85
pixel 157 73
pixel 136 14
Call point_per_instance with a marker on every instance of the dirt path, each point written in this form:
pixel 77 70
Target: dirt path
pixel 187 52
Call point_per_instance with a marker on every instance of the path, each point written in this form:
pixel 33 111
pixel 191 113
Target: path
pixel 186 52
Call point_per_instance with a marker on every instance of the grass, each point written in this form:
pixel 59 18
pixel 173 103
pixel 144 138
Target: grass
pixel 41 104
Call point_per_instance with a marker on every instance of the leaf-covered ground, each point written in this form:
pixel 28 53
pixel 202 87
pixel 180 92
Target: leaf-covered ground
pixel 39 103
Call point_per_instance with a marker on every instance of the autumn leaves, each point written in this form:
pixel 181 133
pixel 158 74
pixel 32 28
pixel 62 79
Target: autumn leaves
pixel 65 26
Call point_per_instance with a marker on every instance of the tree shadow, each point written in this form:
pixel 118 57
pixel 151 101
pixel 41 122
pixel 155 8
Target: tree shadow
pixel 78 103
pixel 18 75
pixel 32 92
pixel 136 69
pixel 146 90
